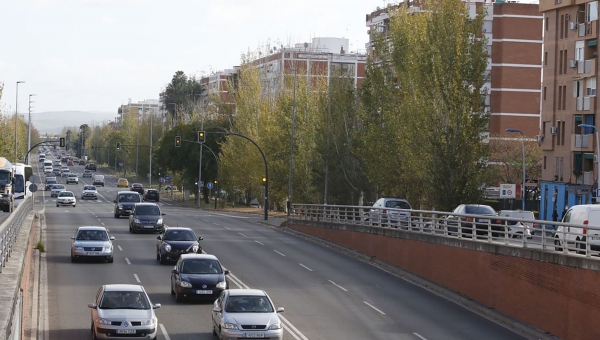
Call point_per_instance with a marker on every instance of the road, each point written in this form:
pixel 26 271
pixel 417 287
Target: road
pixel 326 294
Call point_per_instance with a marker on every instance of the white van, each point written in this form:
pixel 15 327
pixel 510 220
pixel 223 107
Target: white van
pixel 99 180
pixel 575 238
pixel 47 163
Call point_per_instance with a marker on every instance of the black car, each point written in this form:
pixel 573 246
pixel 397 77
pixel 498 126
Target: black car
pixel 146 217
pixel 176 241
pixel 198 277
pixel 91 166
pixel 152 195
pixel 124 202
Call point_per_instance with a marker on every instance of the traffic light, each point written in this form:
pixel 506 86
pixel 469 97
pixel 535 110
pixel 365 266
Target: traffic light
pixel 196 181
pixel 215 181
pixel 118 146
pixel 264 180
pixel 201 137
pixel 92 147
pixel 177 141
pixel 62 142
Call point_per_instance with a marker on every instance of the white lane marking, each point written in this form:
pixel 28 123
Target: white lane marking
pixel 127 260
pixel 137 278
pixel 164 331
pixel 215 223
pixel 121 249
pixel 278 252
pixel 103 223
pixel 226 228
pixel 262 244
pixel 305 267
pixel 291 327
pixel 375 308
pixel 205 220
pixel 242 234
pixel 420 336
pixel 237 281
pixel 340 287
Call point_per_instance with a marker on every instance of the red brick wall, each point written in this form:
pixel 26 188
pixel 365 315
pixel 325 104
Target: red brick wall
pixel 562 300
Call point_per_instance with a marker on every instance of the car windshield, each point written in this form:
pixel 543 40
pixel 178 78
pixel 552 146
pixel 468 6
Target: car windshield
pixel 58 186
pixel 248 304
pixel 51 182
pixel 89 187
pixel 479 210
pixel 397 205
pixel 65 194
pixel 147 210
pixel 198 266
pixel 92 235
pixel 180 235
pixel 124 300
pixel 129 198
pixel 72 175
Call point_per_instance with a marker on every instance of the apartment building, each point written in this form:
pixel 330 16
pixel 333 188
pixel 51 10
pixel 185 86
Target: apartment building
pixel 138 110
pixel 514 37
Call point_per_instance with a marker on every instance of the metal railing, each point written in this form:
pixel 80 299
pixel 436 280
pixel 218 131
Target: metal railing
pixel 9 229
pixel 546 236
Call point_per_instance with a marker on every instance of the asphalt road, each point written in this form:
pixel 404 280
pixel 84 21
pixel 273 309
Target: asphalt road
pixel 326 295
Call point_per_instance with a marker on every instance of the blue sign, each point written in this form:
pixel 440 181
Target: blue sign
pixel 168 177
pixel 162 180
pixel 209 185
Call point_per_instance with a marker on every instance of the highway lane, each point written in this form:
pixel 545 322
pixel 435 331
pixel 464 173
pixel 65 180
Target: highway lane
pixel 326 294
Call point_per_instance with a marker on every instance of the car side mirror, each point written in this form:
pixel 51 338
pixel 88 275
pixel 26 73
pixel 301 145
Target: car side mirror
pixel 112 238
pixel 163 214
pixel 174 271
pixel 91 305
pixel 114 201
pixel 200 238
pixel 217 309
pixel 226 272
pixel 72 237
pixel 280 309
pixel 156 306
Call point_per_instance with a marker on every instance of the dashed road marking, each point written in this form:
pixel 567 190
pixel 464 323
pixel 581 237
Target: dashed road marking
pixel 340 287
pixel 375 308
pixel 305 267
pixel 420 336
pixel 278 252
pixel 262 244
pixel 121 249
pixel 137 278
pixel 127 260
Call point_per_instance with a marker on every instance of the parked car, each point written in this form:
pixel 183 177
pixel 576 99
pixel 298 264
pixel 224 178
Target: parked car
pixel 467 224
pixel 66 198
pixel 176 241
pixel 517 229
pixel 122 182
pixel 198 277
pixel 137 187
pixel 57 188
pixel 146 217
pixel 72 178
pixel 576 238
pixel 92 243
pixel 390 212
pixel 124 202
pixel 152 195
pixel 123 311
pixel 237 308
pixel 89 191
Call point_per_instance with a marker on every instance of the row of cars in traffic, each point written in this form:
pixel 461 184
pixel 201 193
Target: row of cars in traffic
pixel 124 311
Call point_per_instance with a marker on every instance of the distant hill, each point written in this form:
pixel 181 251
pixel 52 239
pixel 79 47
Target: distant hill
pixel 55 121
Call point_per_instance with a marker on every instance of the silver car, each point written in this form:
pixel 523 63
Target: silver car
pixel 89 191
pixel 66 198
pixel 123 311
pixel 245 314
pixel 57 188
pixel 92 242
pixel 72 178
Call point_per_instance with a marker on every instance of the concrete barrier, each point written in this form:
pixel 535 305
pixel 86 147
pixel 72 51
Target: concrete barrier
pixel 550 291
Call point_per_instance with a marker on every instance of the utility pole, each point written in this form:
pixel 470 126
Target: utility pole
pixel 150 171
pixel 29 128
pixel 17 119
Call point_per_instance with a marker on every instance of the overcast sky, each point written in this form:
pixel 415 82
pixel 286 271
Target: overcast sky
pixel 92 55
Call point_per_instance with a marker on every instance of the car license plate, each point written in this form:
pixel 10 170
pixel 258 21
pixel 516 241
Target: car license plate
pixel 254 335
pixel 204 292
pixel 93 253
pixel 595 237
pixel 149 227
pixel 126 331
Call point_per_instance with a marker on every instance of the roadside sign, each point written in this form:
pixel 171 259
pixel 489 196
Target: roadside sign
pixel 148 175
pixel 201 183
pixel 168 177
pixel 161 180
pixel 508 190
pixel 209 185
pixel 33 187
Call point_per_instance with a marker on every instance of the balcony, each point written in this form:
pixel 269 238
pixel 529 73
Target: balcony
pixel 582 143
pixel 586 68
pixel 585 177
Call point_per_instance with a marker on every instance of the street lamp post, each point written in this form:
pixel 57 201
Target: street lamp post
pixel 523 145
pixel 29 128
pixel 17 117
pixel 589 126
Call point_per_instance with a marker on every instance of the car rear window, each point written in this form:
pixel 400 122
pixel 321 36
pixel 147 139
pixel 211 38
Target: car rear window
pixel 144 210
pixel 397 204
pixel 129 198
pixel 479 210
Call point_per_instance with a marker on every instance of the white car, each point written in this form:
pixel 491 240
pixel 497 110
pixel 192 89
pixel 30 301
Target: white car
pixel 89 191
pixel 72 178
pixel 92 242
pixel 47 169
pixel 518 229
pixel 66 198
pixel 124 311
pixel 87 173
pixel 65 173
pixel 56 189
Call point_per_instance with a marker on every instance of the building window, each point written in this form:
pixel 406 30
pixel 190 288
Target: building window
pixel 560 62
pixel 590 87
pixel 559 98
pixel 546 23
pixel 592 11
pixel 564 97
pixel 544 92
pixel 562 131
pixel 562 26
pixel 544 162
pixel 558 2
pixel 565 59
pixel 545 58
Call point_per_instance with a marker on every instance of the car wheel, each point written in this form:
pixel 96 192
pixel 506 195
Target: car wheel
pixel 178 297
pixel 161 260
pixel 157 255
pixel 557 245
pixel 73 259
pixel 117 216
pixel 57 205
pixel 581 247
pixel 74 205
pixel 111 260
pixel 94 334
pixel 172 290
pixel 214 329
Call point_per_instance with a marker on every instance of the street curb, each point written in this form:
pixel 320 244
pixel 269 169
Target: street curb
pixel 493 315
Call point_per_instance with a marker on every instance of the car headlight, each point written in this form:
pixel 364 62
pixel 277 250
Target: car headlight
pixel 147 322
pixel 120 206
pixel 108 248
pixel 276 325
pixel 78 248
pixel 228 325
pixel 222 285
pixel 185 284
pixel 167 247
pixel 160 221
pixel 135 220
pixel 104 321
pixel 194 249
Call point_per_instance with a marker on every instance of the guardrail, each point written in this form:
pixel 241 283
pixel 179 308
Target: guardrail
pixel 544 235
pixel 9 229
